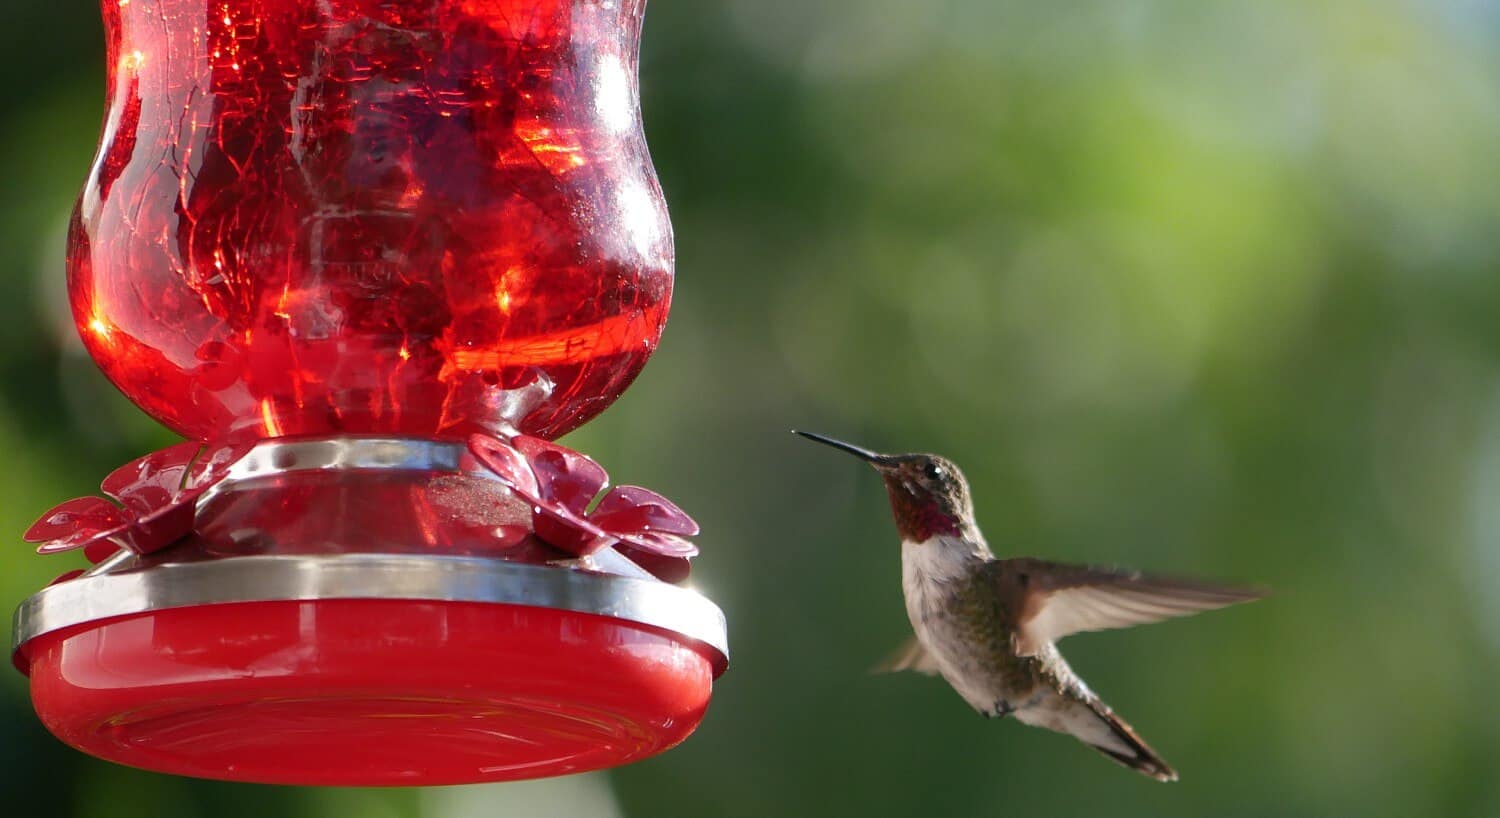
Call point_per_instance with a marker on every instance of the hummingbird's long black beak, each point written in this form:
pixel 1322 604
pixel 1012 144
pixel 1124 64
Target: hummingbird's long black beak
pixel 873 458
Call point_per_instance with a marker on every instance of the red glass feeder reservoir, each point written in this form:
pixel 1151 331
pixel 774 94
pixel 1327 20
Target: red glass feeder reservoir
pixel 370 258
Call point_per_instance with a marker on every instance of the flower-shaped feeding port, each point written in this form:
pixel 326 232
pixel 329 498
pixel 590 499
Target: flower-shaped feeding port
pixel 155 503
pixel 561 484
pixel 391 250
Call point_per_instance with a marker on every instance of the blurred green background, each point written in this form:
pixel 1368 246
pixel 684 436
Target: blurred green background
pixel 1205 287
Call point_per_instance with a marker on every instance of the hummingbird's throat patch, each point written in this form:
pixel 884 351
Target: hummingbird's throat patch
pixel 919 517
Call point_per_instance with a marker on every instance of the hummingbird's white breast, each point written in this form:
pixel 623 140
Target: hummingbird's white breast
pixel 930 570
pixel 931 575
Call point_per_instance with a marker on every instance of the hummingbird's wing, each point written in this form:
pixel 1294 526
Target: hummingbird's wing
pixel 910 656
pixel 1051 600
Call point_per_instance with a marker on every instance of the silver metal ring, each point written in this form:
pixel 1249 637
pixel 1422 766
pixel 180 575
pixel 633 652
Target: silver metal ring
pixel 278 456
pixel 371 576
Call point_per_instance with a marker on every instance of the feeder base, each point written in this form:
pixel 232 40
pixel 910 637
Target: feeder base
pixel 369 692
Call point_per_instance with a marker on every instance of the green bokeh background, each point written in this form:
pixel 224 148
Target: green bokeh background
pixel 1206 287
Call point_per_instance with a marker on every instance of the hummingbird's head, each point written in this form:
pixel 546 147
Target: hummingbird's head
pixel 929 495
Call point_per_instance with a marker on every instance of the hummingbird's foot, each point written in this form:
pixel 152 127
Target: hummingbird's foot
pixel 1002 709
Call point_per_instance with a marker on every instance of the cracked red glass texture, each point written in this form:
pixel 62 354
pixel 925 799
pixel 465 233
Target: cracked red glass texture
pixel 364 216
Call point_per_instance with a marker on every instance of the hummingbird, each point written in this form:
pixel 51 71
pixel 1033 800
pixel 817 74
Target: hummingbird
pixel 989 626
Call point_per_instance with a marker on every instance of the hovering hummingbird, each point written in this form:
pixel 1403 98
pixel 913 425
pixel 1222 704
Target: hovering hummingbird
pixel 988 625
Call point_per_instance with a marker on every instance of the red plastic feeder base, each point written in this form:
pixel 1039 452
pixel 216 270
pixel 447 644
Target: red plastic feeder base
pixel 592 671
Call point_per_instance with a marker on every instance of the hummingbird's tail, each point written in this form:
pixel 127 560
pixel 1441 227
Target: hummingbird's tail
pixel 1080 714
pixel 1135 754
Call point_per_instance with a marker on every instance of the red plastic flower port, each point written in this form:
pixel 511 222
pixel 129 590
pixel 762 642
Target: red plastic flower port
pixel 156 496
pixel 561 483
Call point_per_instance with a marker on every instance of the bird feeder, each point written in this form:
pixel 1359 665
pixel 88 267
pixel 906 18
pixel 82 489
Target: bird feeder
pixel 370 259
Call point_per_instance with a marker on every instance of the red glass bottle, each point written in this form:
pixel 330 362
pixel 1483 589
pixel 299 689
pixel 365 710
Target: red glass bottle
pixel 360 216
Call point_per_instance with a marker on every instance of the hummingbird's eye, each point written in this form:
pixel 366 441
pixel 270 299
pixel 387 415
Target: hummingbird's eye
pixel 933 471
